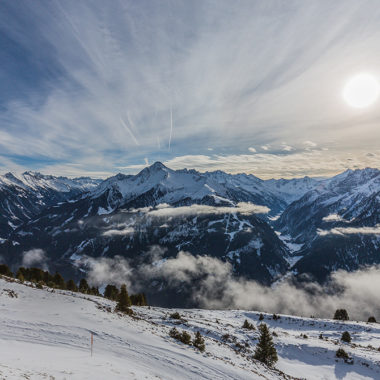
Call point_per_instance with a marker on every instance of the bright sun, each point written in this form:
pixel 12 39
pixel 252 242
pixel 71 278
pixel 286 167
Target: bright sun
pixel 361 91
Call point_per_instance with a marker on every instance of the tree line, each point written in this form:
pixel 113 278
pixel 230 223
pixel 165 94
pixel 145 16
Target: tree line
pixel 56 281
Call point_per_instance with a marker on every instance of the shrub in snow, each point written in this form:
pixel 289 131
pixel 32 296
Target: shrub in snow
pixel 346 337
pixel 183 336
pixel 175 315
pixel 265 350
pixel 341 315
pixel 261 317
pixel 248 326
pixel 199 342
pixel 341 354
pixel 40 285
pixel 372 320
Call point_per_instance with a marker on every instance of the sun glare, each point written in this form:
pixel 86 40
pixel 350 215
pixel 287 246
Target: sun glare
pixel 361 91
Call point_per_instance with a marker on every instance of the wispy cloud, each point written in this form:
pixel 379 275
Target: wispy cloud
pixel 107 84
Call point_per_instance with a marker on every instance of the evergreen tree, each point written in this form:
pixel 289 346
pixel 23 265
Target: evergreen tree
pixel 199 342
pixel 58 281
pixel 20 276
pixel 372 320
pixel 346 337
pixel 265 350
pixel 261 317
pixel 124 301
pixel 94 291
pixel 71 286
pixel 5 271
pixel 341 315
pixel 83 286
pixel 111 292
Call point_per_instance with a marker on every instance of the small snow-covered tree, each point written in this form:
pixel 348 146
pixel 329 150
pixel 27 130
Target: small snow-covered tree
pixel 265 349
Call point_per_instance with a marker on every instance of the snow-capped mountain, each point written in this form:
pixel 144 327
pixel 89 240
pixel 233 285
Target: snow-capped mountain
pixel 158 184
pixel 214 213
pixel 23 197
pixel 337 223
pixel 210 214
pixel 231 217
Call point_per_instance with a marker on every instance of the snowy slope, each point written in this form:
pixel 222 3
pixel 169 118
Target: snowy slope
pixel 45 334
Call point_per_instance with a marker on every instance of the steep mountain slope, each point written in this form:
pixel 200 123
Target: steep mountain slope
pixel 47 335
pixel 24 197
pixel 337 222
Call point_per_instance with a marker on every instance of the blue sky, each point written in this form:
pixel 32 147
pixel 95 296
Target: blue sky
pixel 98 87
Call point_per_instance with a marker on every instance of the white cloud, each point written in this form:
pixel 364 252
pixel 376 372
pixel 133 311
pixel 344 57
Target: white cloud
pixel 310 144
pixel 166 211
pixel 351 231
pixel 122 232
pixel 35 257
pixel 333 218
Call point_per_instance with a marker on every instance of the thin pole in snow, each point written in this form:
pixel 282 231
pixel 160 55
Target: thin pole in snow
pixel 92 341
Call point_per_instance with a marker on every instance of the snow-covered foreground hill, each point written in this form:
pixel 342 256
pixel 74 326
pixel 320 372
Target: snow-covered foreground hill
pixel 45 334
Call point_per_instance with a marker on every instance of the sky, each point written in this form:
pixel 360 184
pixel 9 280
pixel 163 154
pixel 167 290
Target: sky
pixel 98 87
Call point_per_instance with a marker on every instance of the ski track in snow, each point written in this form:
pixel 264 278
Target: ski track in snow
pixel 46 335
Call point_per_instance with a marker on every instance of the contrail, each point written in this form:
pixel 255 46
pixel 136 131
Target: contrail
pixel 171 126
pixel 129 131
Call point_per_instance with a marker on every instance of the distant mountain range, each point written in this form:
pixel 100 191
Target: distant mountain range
pixel 265 228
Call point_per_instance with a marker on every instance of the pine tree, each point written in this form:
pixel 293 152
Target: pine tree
pixel 4 270
pixel 94 291
pixel 371 320
pixel 199 342
pixel 83 286
pixel 71 286
pixel 265 350
pixel 58 281
pixel 341 315
pixel 124 301
pixel 111 292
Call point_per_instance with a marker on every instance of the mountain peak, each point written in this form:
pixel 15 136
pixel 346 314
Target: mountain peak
pixel 157 166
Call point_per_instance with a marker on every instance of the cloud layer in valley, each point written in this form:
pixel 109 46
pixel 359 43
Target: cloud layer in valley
pixel 213 285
